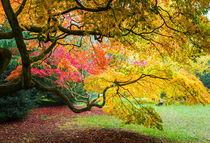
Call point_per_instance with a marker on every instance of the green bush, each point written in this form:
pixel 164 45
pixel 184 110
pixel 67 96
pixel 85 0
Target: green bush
pixel 16 106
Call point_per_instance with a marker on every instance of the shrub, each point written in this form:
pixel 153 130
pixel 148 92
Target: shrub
pixel 16 106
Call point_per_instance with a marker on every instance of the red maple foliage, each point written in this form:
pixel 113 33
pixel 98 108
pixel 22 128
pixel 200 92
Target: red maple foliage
pixel 35 129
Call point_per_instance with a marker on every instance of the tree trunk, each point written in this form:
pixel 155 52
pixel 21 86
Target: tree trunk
pixel 26 68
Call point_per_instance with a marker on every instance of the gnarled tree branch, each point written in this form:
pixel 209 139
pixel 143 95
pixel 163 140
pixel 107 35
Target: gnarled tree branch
pixel 44 53
pixel 81 7
pixel 21 7
pixel 69 103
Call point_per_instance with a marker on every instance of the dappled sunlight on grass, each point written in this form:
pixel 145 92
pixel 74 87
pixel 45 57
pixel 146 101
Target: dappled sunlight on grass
pixel 181 123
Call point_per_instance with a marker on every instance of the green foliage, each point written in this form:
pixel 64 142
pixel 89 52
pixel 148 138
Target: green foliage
pixel 10 43
pixel 79 92
pixel 49 98
pixel 205 78
pixel 16 106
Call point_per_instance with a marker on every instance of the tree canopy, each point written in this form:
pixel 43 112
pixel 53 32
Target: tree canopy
pixel 120 51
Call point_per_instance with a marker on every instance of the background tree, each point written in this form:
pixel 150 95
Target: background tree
pixel 172 30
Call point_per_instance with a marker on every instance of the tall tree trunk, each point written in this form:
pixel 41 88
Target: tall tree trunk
pixel 12 18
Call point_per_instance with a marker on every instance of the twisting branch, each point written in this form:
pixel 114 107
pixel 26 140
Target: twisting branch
pixel 80 32
pixel 44 53
pixel 142 33
pixel 132 95
pixel 150 32
pixel 67 11
pixel 167 24
pixel 170 17
pixel 21 7
pixel 108 6
pixel 133 81
pixel 37 29
pixel 81 7
pixel 69 103
pixel 74 45
pixel 41 87
pixel 74 93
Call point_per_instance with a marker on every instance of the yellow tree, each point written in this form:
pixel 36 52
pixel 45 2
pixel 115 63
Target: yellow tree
pixel 176 30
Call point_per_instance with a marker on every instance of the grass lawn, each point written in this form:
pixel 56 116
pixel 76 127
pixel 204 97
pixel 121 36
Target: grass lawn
pixel 181 123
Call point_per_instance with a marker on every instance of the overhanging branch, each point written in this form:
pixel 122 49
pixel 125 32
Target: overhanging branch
pixel 81 7
pixel 43 54
pixel 21 7
pixel 80 32
pixel 133 81
pixel 69 103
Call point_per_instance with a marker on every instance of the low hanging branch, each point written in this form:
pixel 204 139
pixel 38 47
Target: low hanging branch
pixel 44 53
pixel 41 87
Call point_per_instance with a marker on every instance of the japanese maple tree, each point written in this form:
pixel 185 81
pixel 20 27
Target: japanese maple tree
pixel 146 47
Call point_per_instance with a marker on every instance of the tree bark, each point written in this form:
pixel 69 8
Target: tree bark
pixel 17 32
pixel 5 57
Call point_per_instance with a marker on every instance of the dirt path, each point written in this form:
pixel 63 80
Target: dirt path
pixel 40 126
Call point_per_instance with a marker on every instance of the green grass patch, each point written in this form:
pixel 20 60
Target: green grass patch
pixel 181 123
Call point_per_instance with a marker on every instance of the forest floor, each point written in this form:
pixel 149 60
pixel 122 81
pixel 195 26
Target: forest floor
pixel 42 125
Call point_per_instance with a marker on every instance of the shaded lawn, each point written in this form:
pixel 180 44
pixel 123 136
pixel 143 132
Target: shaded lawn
pixel 59 124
